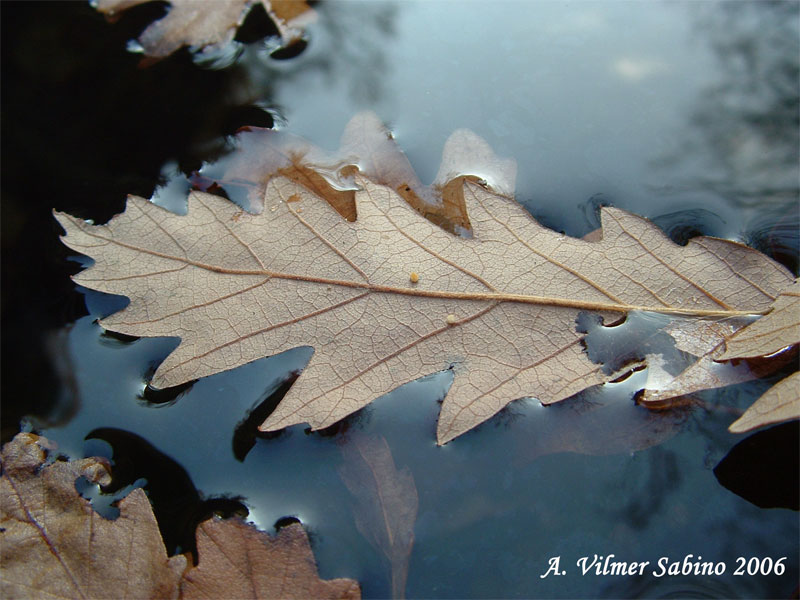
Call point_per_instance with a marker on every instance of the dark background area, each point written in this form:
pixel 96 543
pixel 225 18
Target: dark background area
pixel 82 127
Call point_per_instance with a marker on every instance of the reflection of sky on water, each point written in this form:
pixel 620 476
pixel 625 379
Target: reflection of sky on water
pixel 591 98
pixel 582 95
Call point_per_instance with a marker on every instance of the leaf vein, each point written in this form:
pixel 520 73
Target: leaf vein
pixel 43 533
pixel 324 240
pixel 230 231
pixel 549 259
pixel 437 256
pixel 266 329
pixel 518 372
pixel 397 352
pixel 703 291
pixel 195 306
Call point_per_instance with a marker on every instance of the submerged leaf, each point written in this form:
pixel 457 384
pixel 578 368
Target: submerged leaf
pixel 597 426
pixel 709 371
pixel 766 343
pixel 368 148
pixel 392 297
pixel 386 502
pixel 55 545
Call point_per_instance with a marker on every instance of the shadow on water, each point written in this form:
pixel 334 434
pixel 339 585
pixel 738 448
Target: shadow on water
pixel 177 505
pixel 763 467
pixel 246 432
pixel 82 128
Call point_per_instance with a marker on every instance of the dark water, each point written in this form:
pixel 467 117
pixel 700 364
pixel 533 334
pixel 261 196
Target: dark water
pixel 685 113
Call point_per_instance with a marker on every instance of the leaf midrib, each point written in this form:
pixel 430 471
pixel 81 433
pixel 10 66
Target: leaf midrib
pixel 443 294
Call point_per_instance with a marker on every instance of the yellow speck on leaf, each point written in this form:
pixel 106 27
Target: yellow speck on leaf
pixel 414 278
pixel 451 319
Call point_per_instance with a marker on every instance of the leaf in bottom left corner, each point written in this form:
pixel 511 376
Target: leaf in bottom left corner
pixel 54 545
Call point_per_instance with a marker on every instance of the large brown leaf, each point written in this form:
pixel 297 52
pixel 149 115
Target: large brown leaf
pixel 55 546
pixel 392 297
pixel 203 24
pixel 237 560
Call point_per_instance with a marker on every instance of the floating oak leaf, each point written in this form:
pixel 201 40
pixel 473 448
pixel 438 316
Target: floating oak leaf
pixel 386 502
pixel 779 403
pixel 368 147
pixel 55 545
pixel 237 560
pixel 206 25
pixel 392 297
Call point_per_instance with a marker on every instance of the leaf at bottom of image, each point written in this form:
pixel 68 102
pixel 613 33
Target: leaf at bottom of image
pixel 239 561
pixel 386 502
pixel 54 545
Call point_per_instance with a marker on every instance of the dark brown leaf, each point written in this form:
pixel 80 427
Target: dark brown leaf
pixel 237 560
pixel 55 546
